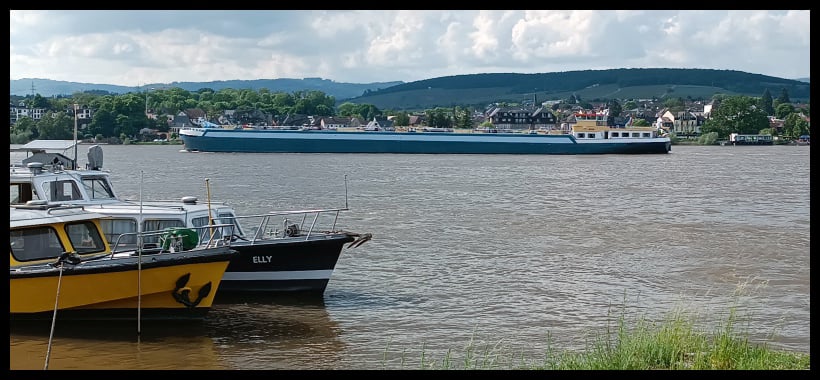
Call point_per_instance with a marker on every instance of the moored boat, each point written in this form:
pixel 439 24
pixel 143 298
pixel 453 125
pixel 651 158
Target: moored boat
pixel 591 135
pixel 62 267
pixel 804 140
pixel 291 251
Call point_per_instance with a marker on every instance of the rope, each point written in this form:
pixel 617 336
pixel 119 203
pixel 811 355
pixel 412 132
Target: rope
pixel 54 317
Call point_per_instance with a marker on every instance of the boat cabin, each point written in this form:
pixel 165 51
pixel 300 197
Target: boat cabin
pixel 594 126
pixel 39 232
pixel 54 184
pixel 745 139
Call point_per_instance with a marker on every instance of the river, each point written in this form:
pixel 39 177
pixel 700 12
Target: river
pixel 489 253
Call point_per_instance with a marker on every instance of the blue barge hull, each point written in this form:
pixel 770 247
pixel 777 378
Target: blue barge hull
pixel 290 141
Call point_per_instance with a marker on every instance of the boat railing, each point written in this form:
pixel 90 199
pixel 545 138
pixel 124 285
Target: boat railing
pixel 293 222
pixel 172 239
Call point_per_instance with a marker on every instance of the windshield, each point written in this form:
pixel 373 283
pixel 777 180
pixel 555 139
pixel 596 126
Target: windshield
pixel 98 188
pixel 85 237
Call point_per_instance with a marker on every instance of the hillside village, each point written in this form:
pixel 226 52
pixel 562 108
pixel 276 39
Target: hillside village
pixel 550 115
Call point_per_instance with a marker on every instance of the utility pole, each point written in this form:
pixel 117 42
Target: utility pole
pixel 75 136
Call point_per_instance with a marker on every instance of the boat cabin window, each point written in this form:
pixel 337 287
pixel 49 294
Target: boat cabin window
pixel 155 225
pixel 113 228
pixel 636 134
pixel 200 225
pixel 35 244
pixel 84 237
pixel 65 190
pixel 647 134
pixel 20 193
pixel 230 218
pixel 98 188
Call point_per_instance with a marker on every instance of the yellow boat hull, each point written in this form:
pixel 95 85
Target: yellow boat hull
pixel 178 291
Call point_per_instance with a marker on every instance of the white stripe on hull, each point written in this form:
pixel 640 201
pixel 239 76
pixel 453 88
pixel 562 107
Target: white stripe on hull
pixel 278 275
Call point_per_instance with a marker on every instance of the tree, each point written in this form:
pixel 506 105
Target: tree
pixel 25 124
pixel 783 110
pixel 402 119
pixel 641 123
pixel 37 101
pixel 614 108
pixel 464 119
pixel 784 96
pixel 437 119
pixel 708 138
pixel 674 104
pixel 103 121
pixel 766 102
pixel 795 126
pixel 56 126
pixel 736 114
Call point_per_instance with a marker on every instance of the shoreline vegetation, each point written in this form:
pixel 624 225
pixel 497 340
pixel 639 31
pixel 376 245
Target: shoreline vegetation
pixel 675 343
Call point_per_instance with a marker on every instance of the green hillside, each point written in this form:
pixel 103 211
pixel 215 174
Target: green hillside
pixel 591 85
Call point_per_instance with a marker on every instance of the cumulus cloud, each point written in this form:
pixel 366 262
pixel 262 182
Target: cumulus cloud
pixel 142 46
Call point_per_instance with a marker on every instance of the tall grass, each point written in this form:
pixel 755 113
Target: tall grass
pixel 634 343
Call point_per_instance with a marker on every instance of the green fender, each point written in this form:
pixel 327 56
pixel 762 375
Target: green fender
pixel 189 237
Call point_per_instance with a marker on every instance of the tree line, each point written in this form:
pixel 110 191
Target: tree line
pixel 124 116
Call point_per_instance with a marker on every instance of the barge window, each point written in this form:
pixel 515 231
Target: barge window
pixel 581 135
pixel 647 134
pixel 84 237
pixel 615 134
pixel 636 134
pixel 35 244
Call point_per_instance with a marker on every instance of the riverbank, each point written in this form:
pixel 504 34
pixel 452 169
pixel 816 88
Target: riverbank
pixel 172 142
pixel 637 344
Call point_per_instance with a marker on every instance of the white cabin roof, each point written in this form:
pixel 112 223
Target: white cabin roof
pixel 48 145
pixel 29 217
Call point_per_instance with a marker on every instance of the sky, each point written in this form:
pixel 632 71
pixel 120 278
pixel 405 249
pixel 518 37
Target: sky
pixel 138 47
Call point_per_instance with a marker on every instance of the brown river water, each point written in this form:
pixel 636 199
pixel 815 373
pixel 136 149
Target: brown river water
pixel 483 253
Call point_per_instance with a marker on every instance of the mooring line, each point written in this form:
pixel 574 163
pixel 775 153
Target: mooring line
pixel 54 317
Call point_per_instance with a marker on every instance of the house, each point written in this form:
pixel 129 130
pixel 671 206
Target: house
pixel 329 122
pixel 227 118
pixel 180 121
pixel 379 124
pixel 355 122
pixel 20 111
pixel 195 115
pixel 298 120
pixel 684 124
pixel 416 120
pixel 519 118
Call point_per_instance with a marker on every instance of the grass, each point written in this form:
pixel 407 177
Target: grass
pixel 636 343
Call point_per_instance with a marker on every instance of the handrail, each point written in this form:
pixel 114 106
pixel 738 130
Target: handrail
pixel 265 220
pixel 290 212
pixel 211 241
pixel 63 208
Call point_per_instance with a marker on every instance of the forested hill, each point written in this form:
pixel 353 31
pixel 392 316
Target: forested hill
pixel 48 87
pixel 478 89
